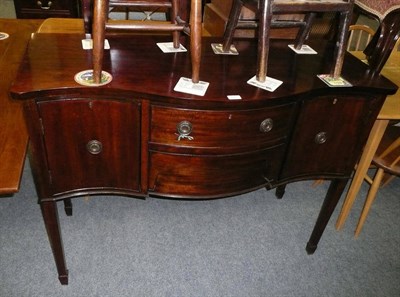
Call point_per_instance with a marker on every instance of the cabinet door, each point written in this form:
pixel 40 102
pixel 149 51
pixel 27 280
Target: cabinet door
pixel 91 144
pixel 328 136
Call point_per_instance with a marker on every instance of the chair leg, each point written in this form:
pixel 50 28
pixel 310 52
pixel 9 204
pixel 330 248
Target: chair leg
pixel 370 199
pixel 68 206
pixel 87 16
pixel 369 150
pixel 99 20
pixel 195 39
pixel 174 15
pixel 233 20
pixel 280 191
pixel 304 31
pixel 263 39
pixel 341 44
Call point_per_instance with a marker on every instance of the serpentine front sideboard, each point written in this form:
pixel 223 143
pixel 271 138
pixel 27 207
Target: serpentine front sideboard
pixel 136 136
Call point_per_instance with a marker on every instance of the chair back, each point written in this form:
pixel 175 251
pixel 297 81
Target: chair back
pixel 360 36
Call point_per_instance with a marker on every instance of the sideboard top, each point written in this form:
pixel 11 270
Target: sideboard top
pixel 139 68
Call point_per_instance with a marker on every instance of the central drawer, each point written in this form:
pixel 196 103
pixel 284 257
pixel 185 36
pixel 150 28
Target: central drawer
pixel 219 130
pixel 213 176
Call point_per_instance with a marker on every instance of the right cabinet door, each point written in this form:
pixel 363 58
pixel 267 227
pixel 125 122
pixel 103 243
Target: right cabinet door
pixel 328 136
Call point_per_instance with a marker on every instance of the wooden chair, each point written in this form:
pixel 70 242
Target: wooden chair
pixel 101 24
pixel 386 160
pixel 359 38
pixel 266 8
pixel 389 111
pixel 388 32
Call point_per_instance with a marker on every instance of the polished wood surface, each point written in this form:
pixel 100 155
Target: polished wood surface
pixel 136 136
pixel 45 73
pixel 60 25
pixel 13 134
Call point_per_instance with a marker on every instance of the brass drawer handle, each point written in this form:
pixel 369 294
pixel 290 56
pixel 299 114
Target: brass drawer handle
pixel 94 147
pixel 40 4
pixel 184 129
pixel 320 138
pixel 266 125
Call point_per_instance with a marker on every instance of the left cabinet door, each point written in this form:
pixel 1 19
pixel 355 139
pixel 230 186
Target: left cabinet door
pixel 91 145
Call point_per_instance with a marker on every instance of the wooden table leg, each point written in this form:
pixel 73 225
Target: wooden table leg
pixel 332 198
pixel 50 216
pixel 370 148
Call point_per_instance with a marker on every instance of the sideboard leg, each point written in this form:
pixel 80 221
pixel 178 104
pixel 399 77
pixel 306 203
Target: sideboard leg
pixel 280 191
pixel 50 216
pixel 332 198
pixel 68 206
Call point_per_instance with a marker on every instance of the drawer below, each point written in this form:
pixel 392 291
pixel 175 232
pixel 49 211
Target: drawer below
pixel 188 176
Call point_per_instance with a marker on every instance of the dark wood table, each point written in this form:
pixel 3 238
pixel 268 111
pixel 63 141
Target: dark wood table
pixel 136 136
pixel 13 133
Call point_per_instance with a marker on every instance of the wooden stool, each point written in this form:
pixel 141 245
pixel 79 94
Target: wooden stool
pixel 266 8
pixel 101 23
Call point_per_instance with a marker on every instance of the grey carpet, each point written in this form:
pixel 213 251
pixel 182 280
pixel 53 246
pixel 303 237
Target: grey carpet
pixel 244 246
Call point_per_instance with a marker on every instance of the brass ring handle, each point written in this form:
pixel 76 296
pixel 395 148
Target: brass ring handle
pixel 40 4
pixel 320 138
pixel 184 129
pixel 94 147
pixel 266 125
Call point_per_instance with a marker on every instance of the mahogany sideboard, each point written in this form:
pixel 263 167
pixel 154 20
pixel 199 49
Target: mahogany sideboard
pixel 136 136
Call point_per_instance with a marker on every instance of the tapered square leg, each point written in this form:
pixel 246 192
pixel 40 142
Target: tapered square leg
pixel 332 198
pixel 51 221
pixel 68 206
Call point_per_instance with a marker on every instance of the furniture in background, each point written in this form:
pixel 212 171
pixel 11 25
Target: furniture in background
pixel 359 38
pixel 390 111
pixel 265 9
pixel 387 161
pixel 176 25
pixel 388 32
pixel 13 133
pixel 43 9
